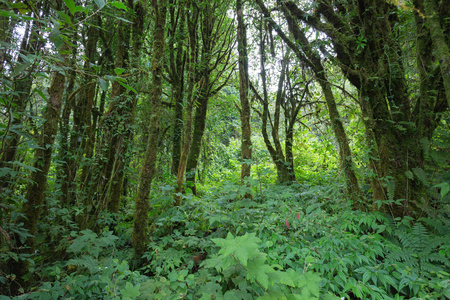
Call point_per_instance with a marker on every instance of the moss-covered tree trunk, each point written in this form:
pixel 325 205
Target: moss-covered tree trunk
pixel 429 86
pixel 105 186
pixel 345 154
pixel 387 108
pixel 116 121
pixel 91 168
pixel 216 48
pixel 440 42
pixel 66 153
pixel 35 192
pixel 176 65
pixel 116 183
pixel 148 171
pixel 194 86
pixel 365 38
pixel 246 142
pixel 197 135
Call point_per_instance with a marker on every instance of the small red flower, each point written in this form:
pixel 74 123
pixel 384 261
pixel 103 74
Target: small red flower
pixel 287 224
pixel 298 216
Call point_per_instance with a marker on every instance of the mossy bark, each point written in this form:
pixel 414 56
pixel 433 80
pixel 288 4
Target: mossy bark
pixel 440 43
pixel 148 171
pixel 370 57
pixel 195 84
pixel 116 183
pixel 35 192
pixel 177 60
pixel 105 186
pixel 246 142
pixel 66 153
pixel 312 59
pixel 197 136
pixel 216 49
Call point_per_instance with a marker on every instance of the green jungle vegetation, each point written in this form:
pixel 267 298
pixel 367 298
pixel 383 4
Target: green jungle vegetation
pixel 185 149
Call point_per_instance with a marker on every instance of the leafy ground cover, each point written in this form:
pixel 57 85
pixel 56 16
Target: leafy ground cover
pixel 289 242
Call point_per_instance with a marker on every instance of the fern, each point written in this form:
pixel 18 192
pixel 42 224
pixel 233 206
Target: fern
pixel 417 249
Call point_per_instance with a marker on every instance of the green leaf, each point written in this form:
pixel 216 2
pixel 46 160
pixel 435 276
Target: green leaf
pixel 100 3
pixel 40 94
pixel 127 86
pixel 445 188
pixel 104 85
pixel 71 5
pixel 130 291
pixel 55 38
pixel 118 5
pixel 125 20
pixel 309 259
pixel 19 68
pixel 81 9
pixel 119 71
pixel 282 277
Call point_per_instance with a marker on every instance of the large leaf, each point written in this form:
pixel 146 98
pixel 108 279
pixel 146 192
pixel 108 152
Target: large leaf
pixel 118 5
pixel 104 85
pixel 100 3
pixel 71 5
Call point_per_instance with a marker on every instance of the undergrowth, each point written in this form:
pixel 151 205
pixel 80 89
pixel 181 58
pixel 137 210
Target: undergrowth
pixel 288 242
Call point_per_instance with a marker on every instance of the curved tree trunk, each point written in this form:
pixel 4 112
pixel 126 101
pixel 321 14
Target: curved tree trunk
pixel 275 152
pixel 305 53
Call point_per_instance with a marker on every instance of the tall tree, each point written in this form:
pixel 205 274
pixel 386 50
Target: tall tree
pixel 18 87
pixel 306 53
pixel 194 85
pixel 286 100
pixel 148 172
pixel 35 192
pixel 364 38
pixel 246 142
pixel 438 29
pixel 176 71
pixel 217 42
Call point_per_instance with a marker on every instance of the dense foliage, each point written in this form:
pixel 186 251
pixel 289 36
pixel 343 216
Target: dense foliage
pixel 184 149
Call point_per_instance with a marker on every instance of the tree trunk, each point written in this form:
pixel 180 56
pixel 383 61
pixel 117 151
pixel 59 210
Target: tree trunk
pixel 194 86
pixel 215 47
pixel 275 150
pixel 305 53
pixel 246 142
pixel 177 59
pixel 35 192
pixel 440 44
pixel 116 182
pixel 148 172
pixel 197 135
pixel 22 87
